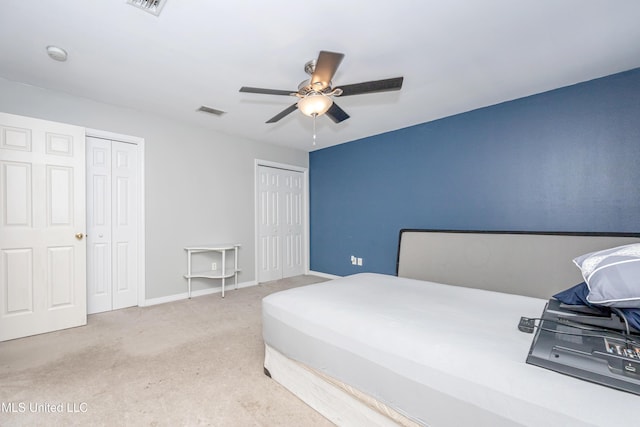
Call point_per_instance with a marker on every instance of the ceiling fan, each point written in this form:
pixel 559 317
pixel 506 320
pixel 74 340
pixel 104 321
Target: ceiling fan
pixel 316 93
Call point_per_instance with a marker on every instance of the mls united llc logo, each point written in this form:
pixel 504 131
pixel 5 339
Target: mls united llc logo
pixel 46 407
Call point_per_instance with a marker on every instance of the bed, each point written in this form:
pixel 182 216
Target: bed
pixel 438 344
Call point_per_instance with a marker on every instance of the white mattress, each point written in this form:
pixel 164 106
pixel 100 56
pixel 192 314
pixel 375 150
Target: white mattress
pixel 438 354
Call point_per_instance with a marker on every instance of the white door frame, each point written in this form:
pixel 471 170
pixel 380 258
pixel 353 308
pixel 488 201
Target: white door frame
pixel 256 215
pixel 141 225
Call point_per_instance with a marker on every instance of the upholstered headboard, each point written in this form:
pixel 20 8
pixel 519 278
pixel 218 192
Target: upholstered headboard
pixel 531 264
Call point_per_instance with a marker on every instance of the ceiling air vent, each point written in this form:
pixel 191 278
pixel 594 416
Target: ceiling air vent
pixel 152 6
pixel 210 110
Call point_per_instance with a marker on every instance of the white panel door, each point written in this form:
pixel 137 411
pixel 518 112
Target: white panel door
pixel 293 226
pixel 42 226
pixel 281 223
pixel 99 297
pixel 112 239
pixel 124 167
pixel 269 240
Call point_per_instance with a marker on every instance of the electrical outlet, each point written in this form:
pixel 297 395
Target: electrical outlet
pixel 214 266
pixel 354 260
pixel 359 262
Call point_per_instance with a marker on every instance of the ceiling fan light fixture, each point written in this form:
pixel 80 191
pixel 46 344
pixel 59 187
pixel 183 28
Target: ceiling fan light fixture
pixel 314 104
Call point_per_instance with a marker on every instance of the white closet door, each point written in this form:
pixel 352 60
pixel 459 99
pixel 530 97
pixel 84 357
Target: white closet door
pixel 269 240
pixel 293 226
pixel 113 227
pixel 280 223
pixel 124 197
pixel 99 297
pixel 42 226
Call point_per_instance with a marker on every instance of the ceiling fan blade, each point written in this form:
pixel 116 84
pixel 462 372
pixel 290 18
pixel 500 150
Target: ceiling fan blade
pixel 283 113
pixel 336 113
pixel 266 91
pixel 372 86
pixel 326 67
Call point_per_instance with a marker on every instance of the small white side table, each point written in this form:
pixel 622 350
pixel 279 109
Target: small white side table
pixel 221 274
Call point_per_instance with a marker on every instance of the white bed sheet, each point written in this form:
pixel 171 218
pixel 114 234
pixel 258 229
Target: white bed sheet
pixel 438 354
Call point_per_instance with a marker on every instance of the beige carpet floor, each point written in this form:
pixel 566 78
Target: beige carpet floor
pixel 186 363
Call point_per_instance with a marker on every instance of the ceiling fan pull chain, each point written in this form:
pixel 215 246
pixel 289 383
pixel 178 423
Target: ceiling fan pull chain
pixel 314 128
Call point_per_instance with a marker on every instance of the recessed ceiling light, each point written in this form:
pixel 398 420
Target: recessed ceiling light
pixel 57 53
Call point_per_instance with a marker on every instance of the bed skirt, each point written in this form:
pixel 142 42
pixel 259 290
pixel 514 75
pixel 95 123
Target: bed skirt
pixel 338 402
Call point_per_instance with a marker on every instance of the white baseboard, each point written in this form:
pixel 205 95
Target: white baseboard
pixel 325 275
pixel 198 293
pixel 216 290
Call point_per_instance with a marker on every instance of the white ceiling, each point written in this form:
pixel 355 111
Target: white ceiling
pixel 455 56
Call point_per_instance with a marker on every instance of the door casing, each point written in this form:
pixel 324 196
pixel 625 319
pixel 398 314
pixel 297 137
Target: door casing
pixel 139 142
pixel 305 213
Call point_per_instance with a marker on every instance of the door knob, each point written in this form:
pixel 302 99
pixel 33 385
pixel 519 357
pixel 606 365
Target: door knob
pixel 79 236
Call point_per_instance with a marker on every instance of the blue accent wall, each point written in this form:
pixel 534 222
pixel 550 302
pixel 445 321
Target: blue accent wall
pixel 564 160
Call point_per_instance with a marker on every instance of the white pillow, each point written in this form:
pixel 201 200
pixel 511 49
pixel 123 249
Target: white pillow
pixel 613 276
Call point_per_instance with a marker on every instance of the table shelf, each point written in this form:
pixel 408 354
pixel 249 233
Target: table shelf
pixel 210 274
pixel 221 274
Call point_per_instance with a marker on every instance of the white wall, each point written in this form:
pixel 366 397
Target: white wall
pixel 198 183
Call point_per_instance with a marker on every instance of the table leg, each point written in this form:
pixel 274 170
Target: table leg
pixel 235 266
pixel 189 272
pixel 224 256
